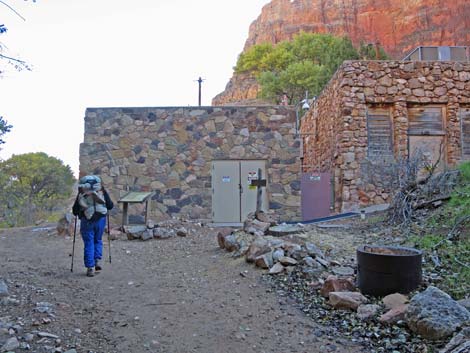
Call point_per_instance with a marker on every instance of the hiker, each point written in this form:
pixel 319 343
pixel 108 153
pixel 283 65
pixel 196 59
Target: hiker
pixel 91 206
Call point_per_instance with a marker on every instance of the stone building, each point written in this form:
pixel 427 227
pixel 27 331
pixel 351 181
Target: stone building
pixel 373 111
pixel 175 152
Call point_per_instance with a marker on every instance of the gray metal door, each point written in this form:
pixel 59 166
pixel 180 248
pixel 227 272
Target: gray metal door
pixel 225 192
pixel 232 196
pixel 249 171
pixel 316 194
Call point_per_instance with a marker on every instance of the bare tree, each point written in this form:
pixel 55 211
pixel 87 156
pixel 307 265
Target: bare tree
pixel 15 62
pixel 413 182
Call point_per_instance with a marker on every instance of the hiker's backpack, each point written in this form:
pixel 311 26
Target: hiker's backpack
pixel 90 182
pixel 95 202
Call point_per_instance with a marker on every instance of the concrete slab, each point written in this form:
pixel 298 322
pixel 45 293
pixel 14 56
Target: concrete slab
pixel 219 225
pixel 375 208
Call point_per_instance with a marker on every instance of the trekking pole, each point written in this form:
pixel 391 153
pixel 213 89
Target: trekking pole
pixel 73 246
pixel 109 240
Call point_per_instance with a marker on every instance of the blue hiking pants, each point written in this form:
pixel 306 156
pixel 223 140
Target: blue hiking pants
pixel 92 234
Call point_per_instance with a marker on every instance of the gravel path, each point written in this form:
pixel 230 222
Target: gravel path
pixel 182 294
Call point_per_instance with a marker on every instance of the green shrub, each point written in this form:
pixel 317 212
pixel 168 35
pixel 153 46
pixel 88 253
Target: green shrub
pixel 454 251
pixel 459 205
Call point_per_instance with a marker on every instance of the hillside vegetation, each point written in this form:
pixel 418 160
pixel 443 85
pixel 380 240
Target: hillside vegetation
pixel 445 239
pixel 304 64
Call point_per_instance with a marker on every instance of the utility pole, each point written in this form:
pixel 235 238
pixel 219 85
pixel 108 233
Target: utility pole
pixel 200 80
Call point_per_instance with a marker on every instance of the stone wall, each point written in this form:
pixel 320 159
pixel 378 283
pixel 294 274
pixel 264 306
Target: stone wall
pixel 359 85
pixel 320 129
pixel 170 150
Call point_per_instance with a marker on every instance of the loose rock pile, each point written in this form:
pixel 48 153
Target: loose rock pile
pixel 325 290
pixel 161 230
pixel 379 324
pixel 271 252
pixel 26 325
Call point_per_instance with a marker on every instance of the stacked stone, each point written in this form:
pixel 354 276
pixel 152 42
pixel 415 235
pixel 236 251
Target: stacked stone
pixel 170 150
pixel 343 106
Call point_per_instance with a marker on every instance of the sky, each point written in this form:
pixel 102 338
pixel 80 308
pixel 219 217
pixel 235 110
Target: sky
pixel 111 53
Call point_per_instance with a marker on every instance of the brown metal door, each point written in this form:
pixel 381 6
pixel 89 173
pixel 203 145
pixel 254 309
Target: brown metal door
pixel 316 195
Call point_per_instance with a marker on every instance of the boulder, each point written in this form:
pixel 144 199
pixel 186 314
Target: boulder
pixel 242 250
pixel 221 240
pixel 287 261
pixel 335 284
pixel 276 269
pixel 264 261
pixel 182 232
pixel 322 262
pixel 266 218
pixel 254 226
pixel 346 300
pixel 394 315
pixel 274 242
pixel 231 243
pixel 224 231
pixel 343 271
pixel 465 303
pixel 435 315
pixel 291 248
pixel 10 345
pixel 277 254
pixel 283 230
pixel 147 234
pixel 134 232
pixel 460 343
pixel 314 251
pixel 393 300
pixel 163 233
pixel 258 247
pixel 310 262
pixel 295 251
pixel 367 311
pixel 244 241
pixel 66 225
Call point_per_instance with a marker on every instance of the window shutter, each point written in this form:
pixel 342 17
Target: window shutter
pixel 465 123
pixel 379 133
pixel 425 121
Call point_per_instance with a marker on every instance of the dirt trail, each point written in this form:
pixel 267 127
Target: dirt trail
pixel 173 295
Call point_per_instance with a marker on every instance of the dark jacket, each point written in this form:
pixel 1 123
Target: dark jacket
pixel 77 209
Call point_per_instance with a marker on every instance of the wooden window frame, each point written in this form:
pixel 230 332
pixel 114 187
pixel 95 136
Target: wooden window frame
pixel 387 110
pixel 441 132
pixel 465 157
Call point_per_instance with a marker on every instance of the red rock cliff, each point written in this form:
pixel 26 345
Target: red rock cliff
pixel 398 25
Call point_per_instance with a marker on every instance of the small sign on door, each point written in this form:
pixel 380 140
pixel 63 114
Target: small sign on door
pixel 225 179
pixel 252 176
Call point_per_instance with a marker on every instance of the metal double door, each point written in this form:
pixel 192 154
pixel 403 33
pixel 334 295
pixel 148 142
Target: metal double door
pixel 232 196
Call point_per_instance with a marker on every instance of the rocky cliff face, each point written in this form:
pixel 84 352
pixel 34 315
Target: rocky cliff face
pixel 398 25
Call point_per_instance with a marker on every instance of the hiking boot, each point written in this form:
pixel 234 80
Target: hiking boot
pixel 97 265
pixel 89 272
